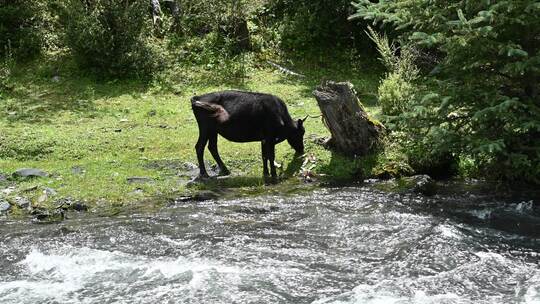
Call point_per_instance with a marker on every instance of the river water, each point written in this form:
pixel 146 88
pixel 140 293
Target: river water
pixel 331 245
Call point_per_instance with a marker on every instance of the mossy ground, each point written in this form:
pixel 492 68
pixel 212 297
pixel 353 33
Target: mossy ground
pixel 112 130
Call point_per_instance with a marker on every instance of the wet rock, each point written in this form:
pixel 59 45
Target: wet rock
pixel 78 206
pixel 138 191
pixel 69 204
pixel 139 180
pixel 8 190
pixel 22 202
pixel 204 195
pixel 4 206
pixel 49 191
pixel 44 216
pixel 43 198
pixel 423 184
pixel 29 172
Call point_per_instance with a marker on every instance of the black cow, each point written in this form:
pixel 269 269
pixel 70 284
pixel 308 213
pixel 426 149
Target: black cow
pixel 244 117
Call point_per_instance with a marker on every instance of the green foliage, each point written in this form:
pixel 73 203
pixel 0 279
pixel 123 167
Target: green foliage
pixel 399 88
pixel 310 27
pixel 482 104
pixel 110 37
pixel 395 94
pixel 20 28
pixel 7 64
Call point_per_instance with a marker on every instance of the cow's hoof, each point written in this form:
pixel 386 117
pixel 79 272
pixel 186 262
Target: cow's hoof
pixel 225 172
pixel 201 178
pixel 270 180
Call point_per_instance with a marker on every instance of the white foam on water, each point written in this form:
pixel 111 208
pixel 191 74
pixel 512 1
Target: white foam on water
pixel 66 275
pixel 524 207
pixel 377 294
pixel 449 231
pixel 483 214
pixel 532 294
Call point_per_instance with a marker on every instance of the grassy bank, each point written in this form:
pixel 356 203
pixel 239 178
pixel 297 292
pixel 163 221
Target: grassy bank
pixel 92 135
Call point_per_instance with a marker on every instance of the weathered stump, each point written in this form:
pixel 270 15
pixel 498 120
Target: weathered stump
pixel 353 132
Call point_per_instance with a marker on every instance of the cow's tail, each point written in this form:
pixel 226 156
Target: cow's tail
pixel 215 110
pixel 194 100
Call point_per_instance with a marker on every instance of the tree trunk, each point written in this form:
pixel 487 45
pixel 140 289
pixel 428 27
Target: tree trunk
pixel 353 132
pixel 156 13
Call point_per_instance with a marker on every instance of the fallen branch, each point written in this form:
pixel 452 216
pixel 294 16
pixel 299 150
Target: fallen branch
pixel 284 69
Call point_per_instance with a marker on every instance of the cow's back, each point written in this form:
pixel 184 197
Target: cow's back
pixel 251 116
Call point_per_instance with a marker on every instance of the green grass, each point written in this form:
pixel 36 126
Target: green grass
pixel 114 130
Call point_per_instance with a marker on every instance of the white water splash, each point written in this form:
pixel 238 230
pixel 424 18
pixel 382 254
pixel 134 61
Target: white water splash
pixel 378 294
pixel 483 214
pixel 67 274
pixel 524 207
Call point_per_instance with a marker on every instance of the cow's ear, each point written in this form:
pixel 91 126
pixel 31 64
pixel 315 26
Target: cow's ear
pixel 300 123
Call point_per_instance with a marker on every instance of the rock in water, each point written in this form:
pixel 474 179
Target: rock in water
pixel 422 184
pixel 4 206
pixel 30 172
pixel 22 202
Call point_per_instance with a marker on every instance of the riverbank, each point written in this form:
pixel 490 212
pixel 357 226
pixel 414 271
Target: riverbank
pixel 114 143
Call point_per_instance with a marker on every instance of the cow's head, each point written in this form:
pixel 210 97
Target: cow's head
pixel 296 136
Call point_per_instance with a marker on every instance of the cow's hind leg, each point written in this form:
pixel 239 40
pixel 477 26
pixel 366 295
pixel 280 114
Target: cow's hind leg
pixel 212 146
pixel 199 148
pixel 201 142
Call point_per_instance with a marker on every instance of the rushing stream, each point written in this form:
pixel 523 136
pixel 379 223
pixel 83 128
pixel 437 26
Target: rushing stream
pixel 332 245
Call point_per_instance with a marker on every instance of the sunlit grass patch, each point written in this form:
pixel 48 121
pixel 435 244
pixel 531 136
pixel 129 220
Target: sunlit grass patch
pixel 92 136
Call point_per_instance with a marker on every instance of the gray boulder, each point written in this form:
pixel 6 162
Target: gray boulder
pixel 4 206
pixel 30 172
pixel 22 202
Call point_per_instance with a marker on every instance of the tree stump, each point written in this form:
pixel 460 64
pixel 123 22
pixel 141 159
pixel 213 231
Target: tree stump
pixel 354 133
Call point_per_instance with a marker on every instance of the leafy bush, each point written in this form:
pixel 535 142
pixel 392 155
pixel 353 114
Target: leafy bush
pixel 310 27
pixel 395 94
pixel 482 104
pixel 20 28
pixel 399 88
pixel 110 37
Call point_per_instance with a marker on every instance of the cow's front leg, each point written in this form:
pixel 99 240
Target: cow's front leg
pixel 199 148
pixel 264 154
pixel 212 146
pixel 271 159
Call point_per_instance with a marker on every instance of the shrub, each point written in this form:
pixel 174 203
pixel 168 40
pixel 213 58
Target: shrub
pixel 482 104
pixel 110 37
pixel 395 94
pixel 398 89
pixel 20 28
pixel 311 27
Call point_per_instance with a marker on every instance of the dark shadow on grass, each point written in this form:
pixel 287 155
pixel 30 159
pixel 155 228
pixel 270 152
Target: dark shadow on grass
pixel 39 96
pixel 293 167
pixel 345 170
